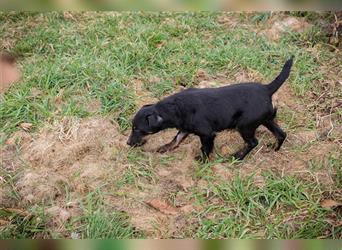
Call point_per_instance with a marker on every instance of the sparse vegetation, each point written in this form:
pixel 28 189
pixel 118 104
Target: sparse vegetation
pixel 70 174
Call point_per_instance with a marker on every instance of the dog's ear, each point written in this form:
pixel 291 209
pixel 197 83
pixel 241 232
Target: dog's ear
pixel 154 120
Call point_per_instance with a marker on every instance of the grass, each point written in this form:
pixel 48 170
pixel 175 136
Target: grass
pixel 24 225
pixel 139 171
pixel 87 64
pixel 248 211
pixel 98 223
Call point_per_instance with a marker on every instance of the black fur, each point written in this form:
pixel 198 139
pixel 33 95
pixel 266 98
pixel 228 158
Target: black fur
pixel 204 112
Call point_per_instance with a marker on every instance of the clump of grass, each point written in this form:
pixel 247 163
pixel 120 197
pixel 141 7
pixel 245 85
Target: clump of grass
pixel 98 223
pixel 139 170
pixel 224 227
pixel 161 88
pixel 331 163
pixel 252 211
pixel 118 99
pixel 24 225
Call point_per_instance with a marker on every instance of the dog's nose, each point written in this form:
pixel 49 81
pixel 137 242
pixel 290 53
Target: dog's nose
pixel 129 141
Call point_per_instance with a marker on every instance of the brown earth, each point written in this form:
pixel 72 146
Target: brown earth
pixel 289 23
pixel 9 73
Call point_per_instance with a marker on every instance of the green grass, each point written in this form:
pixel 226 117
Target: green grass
pixel 244 210
pixel 24 225
pixel 139 171
pixel 331 163
pixel 97 223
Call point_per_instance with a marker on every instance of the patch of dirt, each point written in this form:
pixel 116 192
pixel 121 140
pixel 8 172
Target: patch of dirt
pixel 77 154
pixel 40 186
pixel 286 161
pixel 93 106
pixel 82 155
pixel 72 141
pixel 9 73
pixel 247 76
pixel 203 80
pixel 294 24
pixel 18 31
pixel 143 96
pixel 231 20
pixel 228 21
pixel 201 75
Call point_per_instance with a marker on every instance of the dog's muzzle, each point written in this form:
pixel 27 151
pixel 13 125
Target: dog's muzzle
pixel 134 143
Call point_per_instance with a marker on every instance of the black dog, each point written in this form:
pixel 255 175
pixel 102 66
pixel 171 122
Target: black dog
pixel 204 112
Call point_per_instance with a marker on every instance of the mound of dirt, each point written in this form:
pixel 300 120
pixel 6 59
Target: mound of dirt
pixel 143 96
pixel 76 153
pixel 9 73
pixel 289 23
pixel 40 186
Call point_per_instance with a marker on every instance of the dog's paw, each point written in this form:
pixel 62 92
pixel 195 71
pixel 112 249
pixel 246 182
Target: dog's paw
pixel 201 159
pixel 276 147
pixel 270 145
pixel 237 156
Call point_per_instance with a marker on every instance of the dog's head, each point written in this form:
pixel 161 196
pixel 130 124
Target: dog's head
pixel 146 121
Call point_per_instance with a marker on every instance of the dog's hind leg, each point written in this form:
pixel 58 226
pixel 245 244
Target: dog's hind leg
pixel 248 135
pixel 207 142
pixel 276 131
pixel 174 143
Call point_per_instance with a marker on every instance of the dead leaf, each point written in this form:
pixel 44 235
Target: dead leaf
pixel 201 74
pixel 64 215
pixel 187 209
pixel 16 211
pixel 4 222
pixel 19 137
pixel 228 21
pixel 161 44
pixel 207 84
pixel 289 23
pixel 162 206
pixel 154 79
pixel 26 126
pixel 328 203
pixel 35 92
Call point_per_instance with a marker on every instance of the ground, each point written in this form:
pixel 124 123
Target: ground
pixel 66 171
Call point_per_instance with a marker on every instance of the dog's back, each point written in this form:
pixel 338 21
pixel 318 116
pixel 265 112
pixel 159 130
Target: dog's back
pixel 226 107
pixel 222 107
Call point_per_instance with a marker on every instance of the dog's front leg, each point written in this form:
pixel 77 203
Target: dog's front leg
pixel 174 143
pixel 207 142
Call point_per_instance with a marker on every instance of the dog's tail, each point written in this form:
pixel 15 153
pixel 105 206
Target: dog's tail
pixel 281 78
